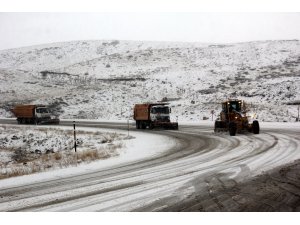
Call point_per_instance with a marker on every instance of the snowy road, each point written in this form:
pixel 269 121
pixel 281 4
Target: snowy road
pixel 200 163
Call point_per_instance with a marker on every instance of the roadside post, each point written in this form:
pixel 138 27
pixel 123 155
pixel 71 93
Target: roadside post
pixel 128 126
pixel 75 145
pixel 212 114
pixel 129 115
pixel 298 112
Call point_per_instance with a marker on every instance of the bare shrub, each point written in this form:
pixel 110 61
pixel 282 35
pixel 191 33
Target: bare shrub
pixel 57 156
pixel 115 147
pixel 67 160
pixel 46 158
pixel 109 137
pixel 97 133
pixel 69 132
pixel 88 155
pixel 19 155
pixel 35 167
pixel 16 171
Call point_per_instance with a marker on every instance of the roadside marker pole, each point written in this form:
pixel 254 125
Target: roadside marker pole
pixel 128 126
pixel 128 120
pixel 298 112
pixel 74 136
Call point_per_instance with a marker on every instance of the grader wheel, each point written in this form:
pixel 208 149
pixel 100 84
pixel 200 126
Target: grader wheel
pixel 255 127
pixel 232 129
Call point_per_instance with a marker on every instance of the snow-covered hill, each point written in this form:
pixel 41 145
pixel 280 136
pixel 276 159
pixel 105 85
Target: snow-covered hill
pixel 104 79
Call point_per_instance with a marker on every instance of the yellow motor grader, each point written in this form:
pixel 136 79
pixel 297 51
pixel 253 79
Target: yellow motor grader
pixel 233 118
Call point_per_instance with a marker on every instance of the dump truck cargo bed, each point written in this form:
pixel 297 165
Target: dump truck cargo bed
pixel 24 111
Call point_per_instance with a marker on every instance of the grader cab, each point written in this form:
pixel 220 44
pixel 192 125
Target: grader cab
pixel 233 118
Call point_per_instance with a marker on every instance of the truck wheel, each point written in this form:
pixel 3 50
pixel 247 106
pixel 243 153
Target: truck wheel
pixel 217 126
pixel 220 126
pixel 143 126
pixel 151 126
pixel 255 127
pixel 232 129
pixel 139 125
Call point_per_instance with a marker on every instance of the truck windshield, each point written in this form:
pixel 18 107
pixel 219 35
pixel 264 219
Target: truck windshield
pixel 235 106
pixel 162 110
pixel 42 110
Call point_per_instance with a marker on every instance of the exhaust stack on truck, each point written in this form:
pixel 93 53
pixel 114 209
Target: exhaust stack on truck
pixel 34 114
pixel 153 115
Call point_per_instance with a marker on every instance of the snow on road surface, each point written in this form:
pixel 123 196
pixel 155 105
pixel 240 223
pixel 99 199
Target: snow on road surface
pixel 199 163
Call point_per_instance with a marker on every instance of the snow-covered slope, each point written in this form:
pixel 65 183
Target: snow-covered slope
pixel 104 79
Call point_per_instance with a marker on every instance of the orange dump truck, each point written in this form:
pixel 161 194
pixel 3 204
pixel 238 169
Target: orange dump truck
pixel 34 114
pixel 153 115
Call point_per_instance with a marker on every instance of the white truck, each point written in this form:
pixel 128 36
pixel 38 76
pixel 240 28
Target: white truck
pixel 34 114
pixel 153 115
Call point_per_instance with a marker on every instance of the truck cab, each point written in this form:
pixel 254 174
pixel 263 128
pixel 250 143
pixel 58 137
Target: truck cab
pixel 232 109
pixel 42 113
pixel 160 113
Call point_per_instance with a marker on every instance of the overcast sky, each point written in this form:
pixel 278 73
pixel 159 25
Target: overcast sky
pixel 24 29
